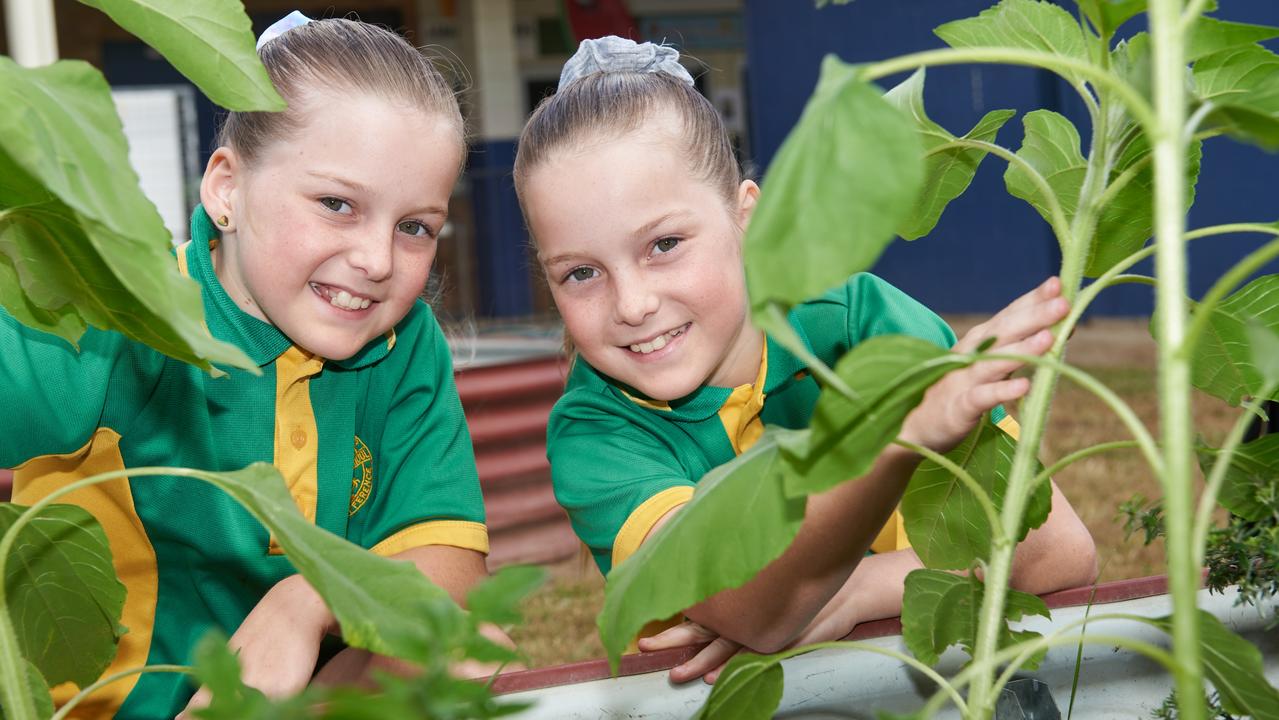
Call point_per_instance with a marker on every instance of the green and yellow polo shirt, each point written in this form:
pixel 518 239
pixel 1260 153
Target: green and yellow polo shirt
pixel 620 462
pixel 373 448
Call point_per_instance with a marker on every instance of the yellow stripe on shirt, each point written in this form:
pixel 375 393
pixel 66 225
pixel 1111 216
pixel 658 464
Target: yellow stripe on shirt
pixel 644 517
pixel 296 436
pixel 1010 426
pixel 740 412
pixel 457 533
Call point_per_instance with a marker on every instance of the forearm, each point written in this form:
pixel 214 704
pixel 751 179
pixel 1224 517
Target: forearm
pixel 1056 555
pixel 295 600
pixel 456 570
pixel 769 611
pixel 873 592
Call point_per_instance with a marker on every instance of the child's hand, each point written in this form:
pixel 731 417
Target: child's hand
pixel 953 406
pixel 279 642
pixel 706 664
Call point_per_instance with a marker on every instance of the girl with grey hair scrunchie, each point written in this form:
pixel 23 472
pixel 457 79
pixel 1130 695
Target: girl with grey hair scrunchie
pixel 637 209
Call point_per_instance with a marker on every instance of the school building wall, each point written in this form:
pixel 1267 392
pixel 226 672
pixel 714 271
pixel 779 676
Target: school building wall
pixel 757 60
pixel 988 246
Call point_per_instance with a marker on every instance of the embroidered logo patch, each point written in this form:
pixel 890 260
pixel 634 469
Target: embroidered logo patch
pixel 361 476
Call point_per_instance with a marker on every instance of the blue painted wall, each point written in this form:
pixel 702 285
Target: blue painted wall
pixel 501 243
pixel 988 246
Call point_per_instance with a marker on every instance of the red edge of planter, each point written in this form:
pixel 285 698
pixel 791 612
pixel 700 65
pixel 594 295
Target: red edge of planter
pixel 640 663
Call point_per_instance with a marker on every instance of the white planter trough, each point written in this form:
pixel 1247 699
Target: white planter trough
pixel 1113 682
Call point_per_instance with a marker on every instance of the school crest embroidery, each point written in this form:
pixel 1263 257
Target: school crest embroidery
pixel 361 476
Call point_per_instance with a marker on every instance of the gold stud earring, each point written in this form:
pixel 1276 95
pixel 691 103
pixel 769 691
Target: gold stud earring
pixel 223 221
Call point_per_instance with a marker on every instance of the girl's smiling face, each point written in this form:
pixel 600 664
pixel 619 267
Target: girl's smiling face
pixel 333 230
pixel 644 262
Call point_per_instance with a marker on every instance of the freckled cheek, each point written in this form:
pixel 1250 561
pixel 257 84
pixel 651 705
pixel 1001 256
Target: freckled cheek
pixel 569 304
pixel 415 262
pixel 284 219
pixel 715 288
pixel 584 318
pixel 731 287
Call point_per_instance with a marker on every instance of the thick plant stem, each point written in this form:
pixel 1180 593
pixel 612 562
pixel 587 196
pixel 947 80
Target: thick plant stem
pixel 981 699
pixel 1075 248
pixel 1169 149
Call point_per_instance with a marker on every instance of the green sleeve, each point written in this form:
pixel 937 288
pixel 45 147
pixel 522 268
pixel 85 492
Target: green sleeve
pixel 57 396
pixel 861 308
pixel 426 466
pixel 877 308
pixel 607 461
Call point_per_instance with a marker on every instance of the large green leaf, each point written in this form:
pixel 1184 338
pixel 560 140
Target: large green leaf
pixel 944 521
pixel 1222 364
pixel 1107 15
pixel 62 593
pixel 676 568
pixel 1052 148
pixel 841 184
pixel 386 606
pixel 940 609
pixel 889 374
pixel 61 321
pixel 749 687
pixel 1243 84
pixel 1234 667
pixel 1265 351
pixel 1127 221
pixel 948 171
pixel 1024 24
pixel 76 227
pixel 1209 35
pixel 211 42
pixel 1253 473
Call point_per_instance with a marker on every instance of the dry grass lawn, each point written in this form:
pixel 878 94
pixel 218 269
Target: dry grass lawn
pixel 560 617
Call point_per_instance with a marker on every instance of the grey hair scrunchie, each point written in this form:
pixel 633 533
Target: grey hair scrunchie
pixel 616 54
